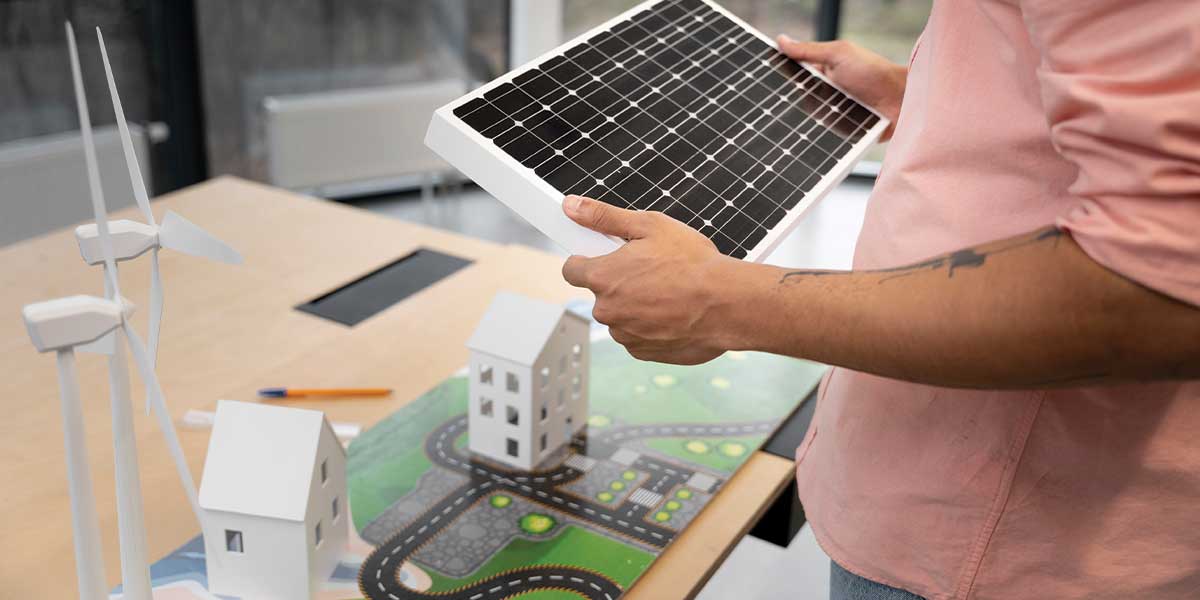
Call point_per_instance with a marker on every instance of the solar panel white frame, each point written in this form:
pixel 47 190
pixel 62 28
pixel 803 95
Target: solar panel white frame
pixel 539 203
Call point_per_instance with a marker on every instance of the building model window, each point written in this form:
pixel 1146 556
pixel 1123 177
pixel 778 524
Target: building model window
pixel 324 471
pixel 485 374
pixel 486 407
pixel 545 377
pixel 233 541
pixel 512 416
pixel 335 511
pixel 513 448
pixel 317 535
pixel 512 384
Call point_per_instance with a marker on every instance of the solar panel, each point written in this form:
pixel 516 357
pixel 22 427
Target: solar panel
pixel 674 106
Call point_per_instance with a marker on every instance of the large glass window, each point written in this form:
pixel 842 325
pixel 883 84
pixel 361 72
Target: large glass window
pixel 889 27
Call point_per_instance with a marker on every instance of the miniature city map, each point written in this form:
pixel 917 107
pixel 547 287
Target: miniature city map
pixel 429 520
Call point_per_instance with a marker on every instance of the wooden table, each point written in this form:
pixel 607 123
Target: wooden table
pixel 230 330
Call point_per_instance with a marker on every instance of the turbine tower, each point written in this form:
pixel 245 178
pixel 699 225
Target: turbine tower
pixel 61 325
pixel 135 573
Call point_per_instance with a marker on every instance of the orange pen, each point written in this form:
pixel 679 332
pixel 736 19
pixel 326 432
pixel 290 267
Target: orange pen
pixel 301 392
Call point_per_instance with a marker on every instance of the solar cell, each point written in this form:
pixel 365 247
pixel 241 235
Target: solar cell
pixel 676 106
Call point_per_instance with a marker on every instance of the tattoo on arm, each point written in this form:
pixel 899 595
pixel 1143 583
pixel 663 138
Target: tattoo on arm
pixel 967 258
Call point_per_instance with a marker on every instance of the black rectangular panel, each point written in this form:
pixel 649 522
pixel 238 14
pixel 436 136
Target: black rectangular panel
pixel 378 290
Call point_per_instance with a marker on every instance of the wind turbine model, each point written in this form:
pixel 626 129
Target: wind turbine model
pixel 131 522
pixel 131 239
pixel 61 325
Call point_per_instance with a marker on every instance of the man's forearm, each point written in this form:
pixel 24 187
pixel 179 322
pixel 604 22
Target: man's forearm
pixel 1030 311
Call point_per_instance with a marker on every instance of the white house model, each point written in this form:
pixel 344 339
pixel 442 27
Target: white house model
pixel 529 380
pixel 274 498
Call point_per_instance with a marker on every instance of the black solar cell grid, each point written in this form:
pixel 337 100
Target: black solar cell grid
pixel 677 109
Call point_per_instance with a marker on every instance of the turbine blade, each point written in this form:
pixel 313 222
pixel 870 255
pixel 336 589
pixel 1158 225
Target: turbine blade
pixel 93 172
pixel 181 235
pixel 135 170
pixel 142 361
pixel 156 310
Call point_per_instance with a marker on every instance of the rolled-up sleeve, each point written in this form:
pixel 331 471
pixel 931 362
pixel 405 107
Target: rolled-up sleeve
pixel 1120 84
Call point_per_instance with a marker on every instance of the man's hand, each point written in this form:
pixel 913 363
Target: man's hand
pixel 866 75
pixel 655 292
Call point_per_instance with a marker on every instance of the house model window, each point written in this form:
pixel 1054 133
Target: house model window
pixel 567 429
pixel 485 374
pixel 511 383
pixel 233 541
pixel 513 448
pixel 512 416
pixel 562 365
pixel 576 354
pixel 543 442
pixel 335 510
pixel 575 387
pixel 545 377
pixel 317 534
pixel 545 413
pixel 324 471
pixel 486 407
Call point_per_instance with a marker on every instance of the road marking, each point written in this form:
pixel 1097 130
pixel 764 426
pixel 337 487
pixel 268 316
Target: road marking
pixel 639 529
pixel 422 529
pixel 514 583
pixel 589 511
pixel 436 519
pixel 378 574
pixel 606 517
pixel 596 587
pixel 556 577
pixel 477 596
pixel 380 584
pixel 495 589
pixel 542 494
pixel 557 499
pixel 573 505
pixel 623 523
pixel 576 580
pixel 536 578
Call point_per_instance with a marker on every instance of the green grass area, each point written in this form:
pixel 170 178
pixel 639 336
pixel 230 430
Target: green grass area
pixel 739 386
pixel 572 546
pixel 721 453
pixel 384 463
pixel 461 441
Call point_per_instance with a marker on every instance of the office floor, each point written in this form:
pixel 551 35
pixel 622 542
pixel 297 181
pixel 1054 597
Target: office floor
pixel 755 570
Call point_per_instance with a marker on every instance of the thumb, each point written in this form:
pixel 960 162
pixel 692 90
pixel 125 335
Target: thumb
pixel 818 53
pixel 605 218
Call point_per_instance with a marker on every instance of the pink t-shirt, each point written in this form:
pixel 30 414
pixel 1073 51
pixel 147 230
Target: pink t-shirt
pixel 1020 114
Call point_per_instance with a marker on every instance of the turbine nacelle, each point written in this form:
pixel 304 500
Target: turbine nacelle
pixel 63 323
pixel 129 239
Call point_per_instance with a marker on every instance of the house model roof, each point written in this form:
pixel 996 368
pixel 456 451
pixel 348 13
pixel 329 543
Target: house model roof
pixel 261 460
pixel 516 328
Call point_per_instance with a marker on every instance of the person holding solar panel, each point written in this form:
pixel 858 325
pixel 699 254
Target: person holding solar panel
pixel 1014 410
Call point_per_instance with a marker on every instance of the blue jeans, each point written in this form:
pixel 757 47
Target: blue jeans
pixel 844 585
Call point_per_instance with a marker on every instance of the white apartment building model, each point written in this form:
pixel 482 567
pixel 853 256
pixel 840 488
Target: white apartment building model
pixel 528 380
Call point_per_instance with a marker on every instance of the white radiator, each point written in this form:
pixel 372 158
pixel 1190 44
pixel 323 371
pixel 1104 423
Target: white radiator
pixel 43 181
pixel 355 141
